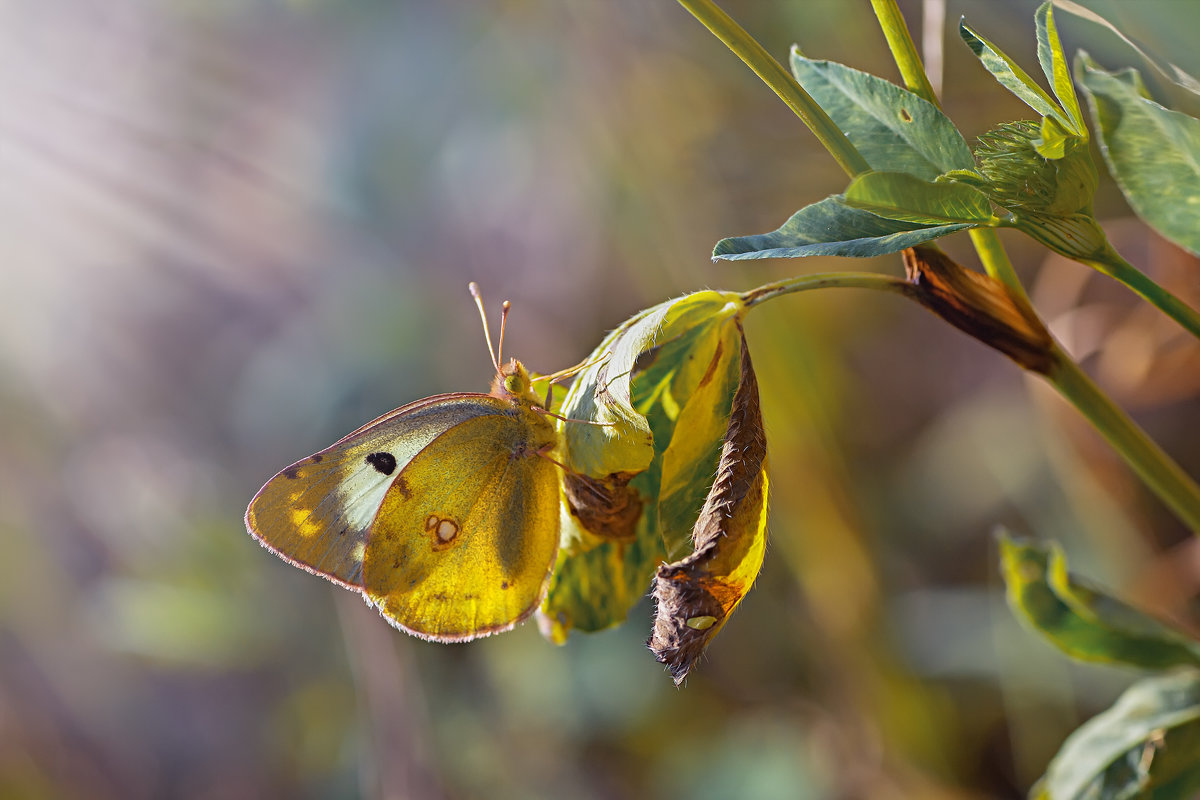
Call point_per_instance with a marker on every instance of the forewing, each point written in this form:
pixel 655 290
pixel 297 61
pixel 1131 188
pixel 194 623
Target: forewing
pixel 465 538
pixel 317 512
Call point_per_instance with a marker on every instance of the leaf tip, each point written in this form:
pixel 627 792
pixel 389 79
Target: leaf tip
pixel 726 247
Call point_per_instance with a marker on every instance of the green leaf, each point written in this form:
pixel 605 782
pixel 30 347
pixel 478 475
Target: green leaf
pixel 832 228
pixel 1055 67
pixel 900 196
pixel 695 596
pixel 1131 78
pixel 1084 622
pixel 1146 745
pixel 1173 75
pixel 1153 152
pixel 1012 77
pixel 665 355
pixel 891 127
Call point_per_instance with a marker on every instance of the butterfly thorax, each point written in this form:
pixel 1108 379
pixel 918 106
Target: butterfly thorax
pixel 537 433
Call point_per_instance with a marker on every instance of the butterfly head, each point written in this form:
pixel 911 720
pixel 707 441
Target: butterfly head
pixel 512 382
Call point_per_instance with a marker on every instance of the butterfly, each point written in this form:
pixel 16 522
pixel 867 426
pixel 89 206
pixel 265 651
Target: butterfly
pixel 444 513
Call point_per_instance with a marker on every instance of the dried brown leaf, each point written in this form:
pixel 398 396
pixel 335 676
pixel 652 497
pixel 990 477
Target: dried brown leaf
pixel 980 306
pixel 607 507
pixel 696 595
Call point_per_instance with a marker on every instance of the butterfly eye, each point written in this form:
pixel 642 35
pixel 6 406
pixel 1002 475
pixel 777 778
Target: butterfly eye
pixel 514 384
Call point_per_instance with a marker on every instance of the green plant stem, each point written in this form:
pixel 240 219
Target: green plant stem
pixel 1112 264
pixel 1156 469
pixel 908 61
pixel 825 280
pixel 904 50
pixel 745 47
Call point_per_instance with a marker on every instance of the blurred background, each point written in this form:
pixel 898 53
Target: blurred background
pixel 233 231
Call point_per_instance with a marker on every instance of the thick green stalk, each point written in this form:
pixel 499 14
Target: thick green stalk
pixel 996 264
pixel 904 50
pixel 1156 469
pixel 1112 264
pixel 745 47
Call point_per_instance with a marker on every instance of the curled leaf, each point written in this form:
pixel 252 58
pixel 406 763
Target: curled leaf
pixel 623 442
pixel 708 378
pixel 980 306
pixel 696 595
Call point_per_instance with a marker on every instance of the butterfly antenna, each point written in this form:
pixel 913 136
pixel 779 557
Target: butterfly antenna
pixel 473 288
pixel 503 319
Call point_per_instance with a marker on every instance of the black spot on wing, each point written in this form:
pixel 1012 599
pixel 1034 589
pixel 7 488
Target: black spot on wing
pixel 292 472
pixel 383 462
pixel 317 459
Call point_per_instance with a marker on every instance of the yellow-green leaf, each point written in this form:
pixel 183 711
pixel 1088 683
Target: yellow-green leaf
pixel 1082 621
pixel 1055 68
pixel 596 582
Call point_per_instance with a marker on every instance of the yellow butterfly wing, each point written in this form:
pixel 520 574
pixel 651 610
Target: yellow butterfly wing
pixel 466 537
pixel 327 513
